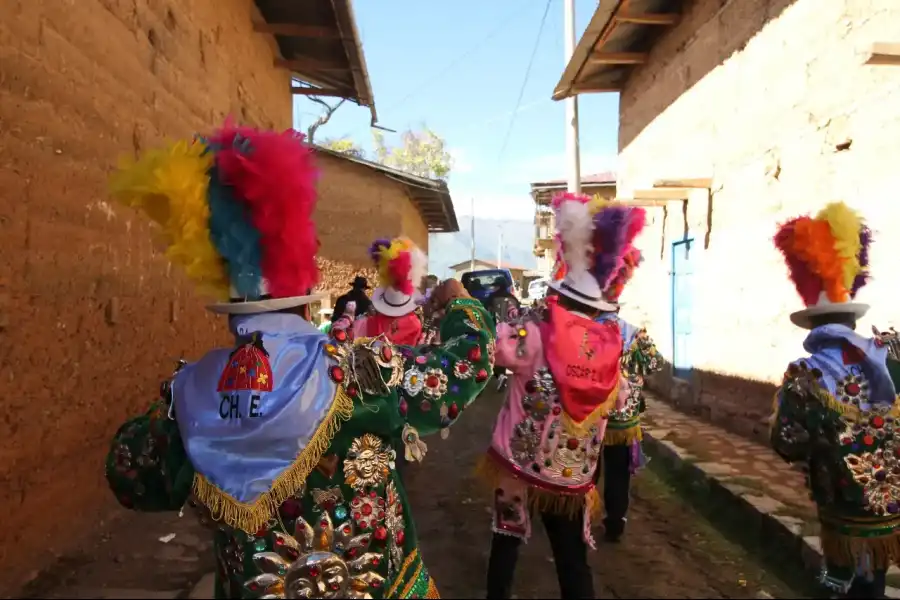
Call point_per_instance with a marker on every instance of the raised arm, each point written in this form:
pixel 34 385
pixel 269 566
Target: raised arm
pixel 518 344
pixel 790 437
pixel 147 468
pixel 439 382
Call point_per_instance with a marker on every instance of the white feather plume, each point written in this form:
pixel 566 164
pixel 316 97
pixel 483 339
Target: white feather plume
pixel 419 266
pixel 575 227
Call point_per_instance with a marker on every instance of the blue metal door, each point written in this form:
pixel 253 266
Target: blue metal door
pixel 682 308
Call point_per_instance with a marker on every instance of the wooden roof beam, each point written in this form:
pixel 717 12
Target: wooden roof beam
pixel 696 183
pixel 639 202
pixel 665 19
pixel 618 58
pixel 884 53
pixel 296 30
pixel 306 65
pixel 587 88
pixel 668 194
pixel 311 91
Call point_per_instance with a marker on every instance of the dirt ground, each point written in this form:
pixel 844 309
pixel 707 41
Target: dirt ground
pixel 669 550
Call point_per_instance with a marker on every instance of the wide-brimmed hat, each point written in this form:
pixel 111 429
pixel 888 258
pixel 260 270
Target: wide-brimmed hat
pixel 360 283
pixel 828 262
pixel 401 266
pixel 224 203
pixel 592 241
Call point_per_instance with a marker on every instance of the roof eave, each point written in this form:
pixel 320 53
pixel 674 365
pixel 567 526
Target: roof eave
pixel 418 189
pixel 346 21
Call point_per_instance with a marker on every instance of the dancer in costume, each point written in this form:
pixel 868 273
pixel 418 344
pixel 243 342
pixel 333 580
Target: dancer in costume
pixel 836 408
pixel 401 267
pixel 283 441
pixel 566 378
pixel 622 453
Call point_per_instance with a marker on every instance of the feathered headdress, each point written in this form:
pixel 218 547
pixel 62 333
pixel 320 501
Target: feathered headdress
pixel 615 229
pixel 827 258
pixel 235 209
pixel 630 261
pixel 593 237
pixel 400 263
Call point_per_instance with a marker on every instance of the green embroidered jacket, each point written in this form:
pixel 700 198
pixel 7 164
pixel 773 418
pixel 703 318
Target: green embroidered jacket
pixel 346 530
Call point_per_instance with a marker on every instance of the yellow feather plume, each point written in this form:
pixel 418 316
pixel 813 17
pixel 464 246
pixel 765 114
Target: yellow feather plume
pixel 397 246
pixel 845 226
pixel 597 204
pixel 170 186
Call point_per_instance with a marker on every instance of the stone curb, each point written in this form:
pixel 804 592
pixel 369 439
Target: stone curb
pixel 761 511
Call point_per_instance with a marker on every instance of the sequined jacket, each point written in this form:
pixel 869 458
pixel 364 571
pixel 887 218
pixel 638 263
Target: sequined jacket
pixel 346 530
pixel 639 359
pixel 527 441
pixel 836 413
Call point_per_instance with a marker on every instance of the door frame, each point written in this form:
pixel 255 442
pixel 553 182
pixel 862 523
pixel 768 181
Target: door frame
pixel 687 243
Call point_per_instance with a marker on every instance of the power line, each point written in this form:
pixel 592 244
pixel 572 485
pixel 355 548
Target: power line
pixel 504 24
pixel 537 43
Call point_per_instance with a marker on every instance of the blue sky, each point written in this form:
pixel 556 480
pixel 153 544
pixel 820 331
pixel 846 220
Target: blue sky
pixel 457 68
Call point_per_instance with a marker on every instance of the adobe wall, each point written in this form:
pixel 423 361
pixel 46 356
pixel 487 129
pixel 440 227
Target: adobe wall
pixel 771 99
pixel 90 315
pixel 358 205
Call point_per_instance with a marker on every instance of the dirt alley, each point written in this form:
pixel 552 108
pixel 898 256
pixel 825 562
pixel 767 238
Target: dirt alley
pixel 669 550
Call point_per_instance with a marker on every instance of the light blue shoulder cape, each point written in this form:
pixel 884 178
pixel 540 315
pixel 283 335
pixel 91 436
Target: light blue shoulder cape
pixel 247 414
pixel 844 357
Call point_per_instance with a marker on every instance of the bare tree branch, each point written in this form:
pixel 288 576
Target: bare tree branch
pixel 329 110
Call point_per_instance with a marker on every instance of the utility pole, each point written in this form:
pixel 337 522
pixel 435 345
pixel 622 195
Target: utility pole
pixel 573 154
pixel 500 250
pixel 472 260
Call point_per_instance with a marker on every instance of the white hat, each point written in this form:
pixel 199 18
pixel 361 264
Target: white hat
pixel 803 318
pixel 237 306
pixel 583 288
pixel 394 303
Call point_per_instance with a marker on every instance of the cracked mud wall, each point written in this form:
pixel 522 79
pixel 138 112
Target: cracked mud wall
pixel 91 316
pixel 772 99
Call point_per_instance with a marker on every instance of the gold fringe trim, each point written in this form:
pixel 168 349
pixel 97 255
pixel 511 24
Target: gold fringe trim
pixel 252 517
pixel 492 475
pixel 407 563
pixel 623 437
pixel 581 429
pixel 845 551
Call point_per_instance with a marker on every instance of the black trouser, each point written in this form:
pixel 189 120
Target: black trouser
pixel 616 487
pixel 569 554
pixel 861 588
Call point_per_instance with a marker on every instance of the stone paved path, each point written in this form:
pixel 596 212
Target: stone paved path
pixel 749 472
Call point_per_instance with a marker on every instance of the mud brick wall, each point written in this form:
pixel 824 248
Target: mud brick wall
pixel 91 316
pixel 359 204
pixel 773 101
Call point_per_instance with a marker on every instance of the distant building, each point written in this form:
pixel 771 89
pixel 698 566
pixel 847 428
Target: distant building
pixel 733 117
pixel 602 184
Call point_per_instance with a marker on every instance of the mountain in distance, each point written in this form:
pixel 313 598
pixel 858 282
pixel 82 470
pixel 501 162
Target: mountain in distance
pixel 445 249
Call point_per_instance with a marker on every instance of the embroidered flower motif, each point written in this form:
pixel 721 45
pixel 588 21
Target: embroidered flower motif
pixel 413 381
pixel 367 510
pixel 853 389
pixel 463 369
pixel 435 383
